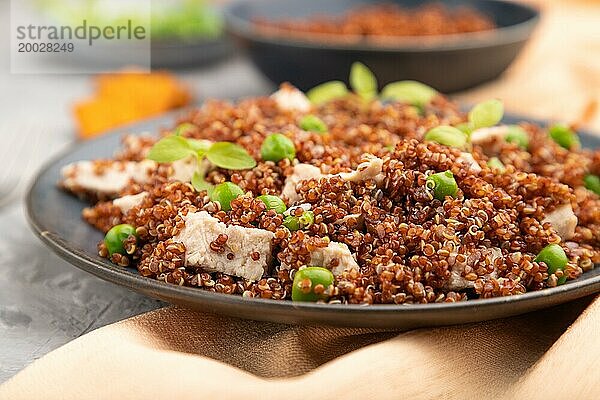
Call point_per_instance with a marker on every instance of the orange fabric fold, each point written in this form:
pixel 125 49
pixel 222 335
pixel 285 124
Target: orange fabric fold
pixel 177 353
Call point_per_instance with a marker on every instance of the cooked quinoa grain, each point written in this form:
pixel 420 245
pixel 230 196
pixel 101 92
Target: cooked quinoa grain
pixel 382 20
pixel 375 221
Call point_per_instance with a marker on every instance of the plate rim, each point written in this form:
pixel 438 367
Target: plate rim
pixel 105 270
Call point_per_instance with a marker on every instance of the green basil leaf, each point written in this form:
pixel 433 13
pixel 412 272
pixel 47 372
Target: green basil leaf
pixel 465 127
pixel 486 114
pixel 200 184
pixel 326 92
pixel 448 136
pixel 363 81
pixel 411 92
pixel 230 156
pixel 169 149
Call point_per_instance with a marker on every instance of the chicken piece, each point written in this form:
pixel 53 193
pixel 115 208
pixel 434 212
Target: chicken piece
pixel 301 173
pixel 369 169
pixel 247 252
pixel 126 203
pixel 563 220
pixel 323 257
pixel 105 178
pixel 291 99
pixel 473 165
pixel 490 139
pixel 458 282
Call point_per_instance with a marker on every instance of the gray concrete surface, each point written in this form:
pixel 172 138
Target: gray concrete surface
pixel 44 301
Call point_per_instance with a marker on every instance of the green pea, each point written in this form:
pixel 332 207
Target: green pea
pixel 564 136
pixel 518 136
pixel 312 123
pixel 448 136
pixel 273 203
pixel 294 223
pixel 116 236
pixel 495 163
pixel 443 184
pixel 555 259
pixel 311 284
pixel 291 222
pixel 225 193
pixel 592 182
pixel 276 147
pixel 306 219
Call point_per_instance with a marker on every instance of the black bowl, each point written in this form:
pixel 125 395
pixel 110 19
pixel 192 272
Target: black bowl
pixel 449 63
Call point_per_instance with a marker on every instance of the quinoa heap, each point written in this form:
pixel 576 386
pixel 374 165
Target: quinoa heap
pixel 349 199
pixel 375 21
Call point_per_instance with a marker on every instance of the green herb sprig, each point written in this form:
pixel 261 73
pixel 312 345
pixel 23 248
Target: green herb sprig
pixel 364 83
pixel 225 155
pixel 483 115
pixel 486 114
pixel 412 92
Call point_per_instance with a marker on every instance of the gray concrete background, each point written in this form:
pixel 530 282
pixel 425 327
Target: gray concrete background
pixel 44 301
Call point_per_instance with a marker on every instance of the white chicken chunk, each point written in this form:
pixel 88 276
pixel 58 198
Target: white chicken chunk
pixel 323 257
pixel 251 247
pixel 291 99
pixel 458 282
pixel 105 178
pixel 563 220
pixel 467 158
pixel 369 169
pixel 126 203
pixel 301 173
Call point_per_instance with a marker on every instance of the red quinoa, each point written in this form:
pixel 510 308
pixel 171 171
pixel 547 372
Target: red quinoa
pixel 381 20
pixel 405 242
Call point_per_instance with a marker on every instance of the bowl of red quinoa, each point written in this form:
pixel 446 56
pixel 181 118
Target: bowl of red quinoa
pixel 348 210
pixel 450 45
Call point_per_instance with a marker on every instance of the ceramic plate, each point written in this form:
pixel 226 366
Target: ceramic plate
pixel 55 217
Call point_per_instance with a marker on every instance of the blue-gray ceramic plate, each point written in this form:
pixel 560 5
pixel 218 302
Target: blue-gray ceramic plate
pixel 55 217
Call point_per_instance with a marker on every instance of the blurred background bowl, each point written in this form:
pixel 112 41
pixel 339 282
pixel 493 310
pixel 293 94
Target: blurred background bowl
pixel 184 33
pixel 449 63
pixel 190 53
pixel 188 33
